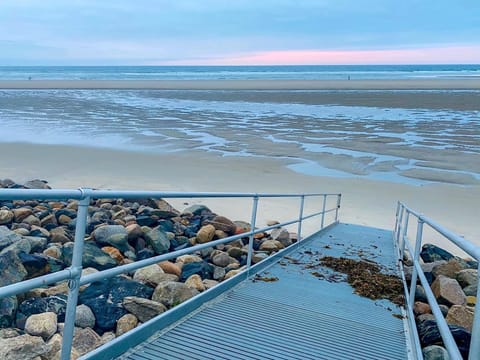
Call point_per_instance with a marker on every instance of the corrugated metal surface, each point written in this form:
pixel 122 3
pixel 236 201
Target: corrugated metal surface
pixel 297 317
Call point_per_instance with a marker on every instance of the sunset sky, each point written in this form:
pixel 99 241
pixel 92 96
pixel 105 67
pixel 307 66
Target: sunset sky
pixel 238 32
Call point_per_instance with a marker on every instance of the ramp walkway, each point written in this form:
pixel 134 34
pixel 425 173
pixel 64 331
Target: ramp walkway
pixel 297 316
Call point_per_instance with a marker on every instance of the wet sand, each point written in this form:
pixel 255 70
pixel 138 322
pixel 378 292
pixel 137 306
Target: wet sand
pixel 424 84
pixel 364 201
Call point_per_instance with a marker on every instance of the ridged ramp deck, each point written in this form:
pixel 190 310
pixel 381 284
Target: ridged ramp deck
pixel 298 316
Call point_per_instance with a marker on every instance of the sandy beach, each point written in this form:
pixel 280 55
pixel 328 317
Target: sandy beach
pixel 363 201
pixel 400 84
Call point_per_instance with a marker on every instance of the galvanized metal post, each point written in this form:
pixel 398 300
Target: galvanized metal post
pixel 300 218
pixel 76 271
pixel 475 340
pixel 418 244
pixel 400 220
pixel 252 224
pixel 323 211
pixel 403 236
pixel 339 200
pixel 395 229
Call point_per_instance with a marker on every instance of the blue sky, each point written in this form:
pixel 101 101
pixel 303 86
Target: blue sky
pixel 104 32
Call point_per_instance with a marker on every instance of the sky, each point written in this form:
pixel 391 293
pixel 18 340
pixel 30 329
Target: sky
pixel 238 32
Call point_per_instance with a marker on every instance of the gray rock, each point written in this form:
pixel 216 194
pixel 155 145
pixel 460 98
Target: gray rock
pixel 20 246
pixel 8 308
pixel 86 340
pixel 197 210
pixel 172 293
pixel 435 352
pixel 11 268
pixel 218 273
pixel 158 240
pixel 113 235
pixel 467 277
pixel 281 235
pixel 7 237
pixel 450 269
pixel 448 291
pixel 143 309
pixel 126 323
pixel 471 290
pixel 22 347
pixel 223 260
pixel 84 317
pixel 92 257
pixel 6 216
pixel 151 275
pixel 36 184
pixel 37 243
pixel 44 325
pixel 432 253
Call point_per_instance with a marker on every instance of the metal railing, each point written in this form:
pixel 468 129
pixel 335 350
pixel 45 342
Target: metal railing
pixel 403 215
pixel 73 274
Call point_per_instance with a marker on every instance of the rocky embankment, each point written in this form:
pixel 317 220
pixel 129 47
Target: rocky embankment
pixel 454 283
pixel 36 238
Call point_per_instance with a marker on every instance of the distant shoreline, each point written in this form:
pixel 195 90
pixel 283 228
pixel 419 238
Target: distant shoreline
pixel 398 84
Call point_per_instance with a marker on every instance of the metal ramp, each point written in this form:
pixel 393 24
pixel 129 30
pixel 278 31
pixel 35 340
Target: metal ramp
pixel 299 316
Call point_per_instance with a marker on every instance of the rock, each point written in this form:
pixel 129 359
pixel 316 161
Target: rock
pixel 448 291
pixel 55 345
pixel 114 253
pixel 39 231
pixel 85 340
pixel 259 256
pixel 143 309
pixel 444 309
pixel 20 246
pixel 37 243
pixel 197 210
pixel 61 288
pixel 271 245
pixel 84 317
pixel 64 219
pixel 223 224
pixel 22 347
pixel 56 304
pixel 281 235
pixel 53 251
pixel 223 260
pixel 126 323
pixel 470 290
pixel 36 265
pixel 36 184
pixel 232 273
pixel 134 231
pixel 209 283
pixel 108 336
pixel 44 325
pixel 420 308
pixel 430 335
pixel 202 268
pixel 92 257
pixel 170 268
pixel 113 235
pixel 195 282
pixel 236 252
pixel 21 213
pixel 158 240
pixel 242 227
pixel 32 220
pixel 11 268
pixel 163 208
pixel 435 352
pixel 105 299
pixel 7 237
pixel 467 277
pixel 8 308
pixel 205 234
pixel 6 217
pixel 50 219
pixel 471 300
pixel 186 259
pixel 172 293
pixel 432 253
pixel 60 235
pixel 150 275
pixel 461 315
pixel 450 269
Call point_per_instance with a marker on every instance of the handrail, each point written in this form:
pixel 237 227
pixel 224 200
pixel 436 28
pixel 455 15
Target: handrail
pixel 403 243
pixel 74 272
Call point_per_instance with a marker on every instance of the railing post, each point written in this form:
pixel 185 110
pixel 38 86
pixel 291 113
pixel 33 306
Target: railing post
pixel 475 339
pixel 339 200
pixel 252 229
pixel 400 220
pixel 323 211
pixel 300 218
pixel 74 282
pixel 418 244
pixel 404 234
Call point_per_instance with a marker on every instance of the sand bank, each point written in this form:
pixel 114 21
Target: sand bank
pixel 415 84
pixel 363 202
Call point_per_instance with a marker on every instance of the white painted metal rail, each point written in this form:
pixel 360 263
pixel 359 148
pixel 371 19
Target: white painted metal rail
pixel 403 215
pixel 73 274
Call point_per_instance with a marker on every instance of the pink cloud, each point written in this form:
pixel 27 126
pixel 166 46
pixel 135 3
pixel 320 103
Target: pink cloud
pixel 433 55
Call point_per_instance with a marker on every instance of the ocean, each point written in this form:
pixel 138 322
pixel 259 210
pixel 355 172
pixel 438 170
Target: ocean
pixel 304 72
pixel 407 136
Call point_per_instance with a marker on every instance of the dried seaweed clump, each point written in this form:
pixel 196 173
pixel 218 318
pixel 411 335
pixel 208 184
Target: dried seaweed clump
pixel 367 279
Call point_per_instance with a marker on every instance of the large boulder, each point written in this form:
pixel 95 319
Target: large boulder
pixel 158 240
pixel 151 275
pixel 172 293
pixel 8 308
pixel 461 315
pixel 11 268
pixel 85 340
pixel 7 237
pixel 281 235
pixel 113 235
pixel 143 309
pixel 93 256
pixel 430 335
pixel 448 291
pixel 435 352
pixel 55 303
pixel 449 269
pixel 205 234
pixel 224 224
pixel 202 268
pixel 105 299
pixel 44 325
pixel 431 253
pixel 467 277
pixel 84 317
pixel 22 347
